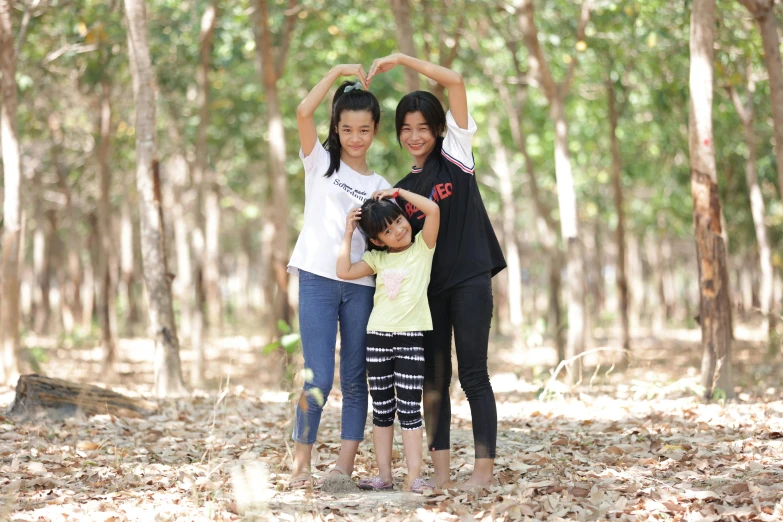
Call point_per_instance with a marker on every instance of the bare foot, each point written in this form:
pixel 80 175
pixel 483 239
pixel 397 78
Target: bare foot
pixel 474 482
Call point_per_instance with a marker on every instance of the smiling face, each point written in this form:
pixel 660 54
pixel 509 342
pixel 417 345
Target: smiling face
pixel 356 130
pixel 417 137
pixel 396 236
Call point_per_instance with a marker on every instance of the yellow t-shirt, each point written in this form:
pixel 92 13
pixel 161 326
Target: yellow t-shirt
pixel 401 288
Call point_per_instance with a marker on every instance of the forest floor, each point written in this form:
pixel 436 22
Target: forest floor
pixel 623 444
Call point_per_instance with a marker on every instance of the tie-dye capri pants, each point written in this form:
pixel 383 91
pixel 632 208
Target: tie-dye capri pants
pixel 395 370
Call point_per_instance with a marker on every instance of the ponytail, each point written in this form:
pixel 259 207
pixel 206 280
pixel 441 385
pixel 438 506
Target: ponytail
pixel 351 97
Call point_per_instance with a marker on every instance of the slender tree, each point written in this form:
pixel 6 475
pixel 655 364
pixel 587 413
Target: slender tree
pixel 617 186
pixel 168 373
pixel 271 64
pixel 555 94
pixel 106 286
pixel 757 207
pixel 206 181
pixel 763 11
pixel 500 164
pixel 710 248
pixel 12 214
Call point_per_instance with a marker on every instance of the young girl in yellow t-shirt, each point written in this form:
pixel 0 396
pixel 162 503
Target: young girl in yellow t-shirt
pixel 400 315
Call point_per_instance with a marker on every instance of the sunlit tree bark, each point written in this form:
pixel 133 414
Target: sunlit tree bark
pixel 714 306
pixel 757 207
pixel 12 213
pixel 556 95
pixel 168 372
pixel 617 186
pixel 271 63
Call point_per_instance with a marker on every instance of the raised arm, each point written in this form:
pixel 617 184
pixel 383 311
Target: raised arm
pixel 345 269
pixel 308 135
pixel 430 209
pixel 451 80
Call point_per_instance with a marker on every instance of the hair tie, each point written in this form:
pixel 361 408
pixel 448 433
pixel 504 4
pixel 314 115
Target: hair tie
pixel 356 85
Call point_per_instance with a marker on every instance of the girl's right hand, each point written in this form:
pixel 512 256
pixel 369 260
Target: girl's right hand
pixel 353 69
pixel 352 221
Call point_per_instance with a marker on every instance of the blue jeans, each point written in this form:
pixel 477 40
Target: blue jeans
pixel 324 302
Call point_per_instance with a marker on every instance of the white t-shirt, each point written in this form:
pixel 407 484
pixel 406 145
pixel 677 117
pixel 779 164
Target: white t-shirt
pixel 327 203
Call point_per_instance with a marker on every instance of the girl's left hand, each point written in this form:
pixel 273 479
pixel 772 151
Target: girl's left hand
pixel 384 194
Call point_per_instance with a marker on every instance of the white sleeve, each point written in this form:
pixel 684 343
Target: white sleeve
pixel 458 143
pixel 383 184
pixel 316 163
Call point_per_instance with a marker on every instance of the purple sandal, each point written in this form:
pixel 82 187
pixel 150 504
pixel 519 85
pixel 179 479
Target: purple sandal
pixel 374 484
pixel 420 485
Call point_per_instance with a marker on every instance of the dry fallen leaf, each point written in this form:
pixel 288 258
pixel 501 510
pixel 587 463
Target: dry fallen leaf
pixel 87 445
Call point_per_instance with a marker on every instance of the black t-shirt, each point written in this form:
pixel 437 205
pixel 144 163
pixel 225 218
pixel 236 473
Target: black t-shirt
pixel 467 245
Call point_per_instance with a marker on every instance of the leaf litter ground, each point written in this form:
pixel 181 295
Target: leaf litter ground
pixel 629 445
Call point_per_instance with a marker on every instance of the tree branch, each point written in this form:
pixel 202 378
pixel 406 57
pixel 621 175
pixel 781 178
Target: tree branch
pixel 539 67
pixel 285 41
pixel 584 17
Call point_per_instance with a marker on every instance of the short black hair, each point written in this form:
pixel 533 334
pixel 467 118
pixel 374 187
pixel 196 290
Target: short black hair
pixel 377 215
pixel 432 111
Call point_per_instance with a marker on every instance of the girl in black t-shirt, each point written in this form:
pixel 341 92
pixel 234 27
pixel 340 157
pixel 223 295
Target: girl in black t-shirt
pixel 468 255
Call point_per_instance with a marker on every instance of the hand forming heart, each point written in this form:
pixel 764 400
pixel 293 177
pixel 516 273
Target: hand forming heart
pixel 382 65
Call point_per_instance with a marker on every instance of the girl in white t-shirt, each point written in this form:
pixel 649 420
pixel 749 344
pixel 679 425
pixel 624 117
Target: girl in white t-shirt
pixel 337 179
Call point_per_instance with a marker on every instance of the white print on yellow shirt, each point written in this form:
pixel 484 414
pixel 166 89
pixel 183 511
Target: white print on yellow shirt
pixel 392 278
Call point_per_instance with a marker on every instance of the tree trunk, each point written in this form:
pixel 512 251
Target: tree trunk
pixel 545 223
pixel 617 185
pixel 72 282
pixel 764 13
pixel 555 313
pixel 183 282
pixel 566 197
pixel 88 286
pixel 655 278
pixel 669 285
pixel 12 213
pixel 106 296
pixel 270 68
pixel 205 177
pixel 635 283
pixel 714 305
pixel 509 218
pixel 61 399
pixel 757 209
pixel 555 94
pixel 127 271
pixel 402 21
pixel 168 373
pixel 43 239
pixel 207 174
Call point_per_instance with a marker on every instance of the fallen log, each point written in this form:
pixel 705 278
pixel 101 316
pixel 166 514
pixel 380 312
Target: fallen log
pixel 36 394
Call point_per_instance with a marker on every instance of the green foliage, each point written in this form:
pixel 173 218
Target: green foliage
pixel 70 55
pixel 289 340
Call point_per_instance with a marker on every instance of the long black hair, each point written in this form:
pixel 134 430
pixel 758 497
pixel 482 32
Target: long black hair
pixel 377 215
pixel 356 99
pixel 432 111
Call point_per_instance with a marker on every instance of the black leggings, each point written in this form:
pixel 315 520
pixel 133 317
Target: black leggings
pixel 395 362
pixel 467 308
